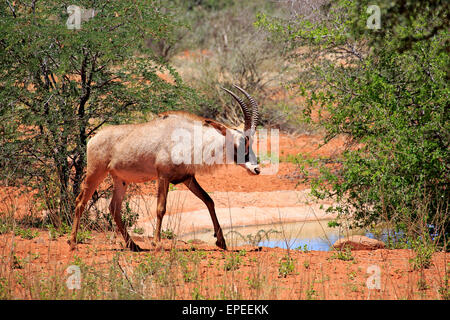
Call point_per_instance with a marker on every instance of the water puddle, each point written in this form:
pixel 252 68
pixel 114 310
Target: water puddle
pixel 315 235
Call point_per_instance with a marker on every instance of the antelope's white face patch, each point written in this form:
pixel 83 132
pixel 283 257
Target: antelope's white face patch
pixel 252 168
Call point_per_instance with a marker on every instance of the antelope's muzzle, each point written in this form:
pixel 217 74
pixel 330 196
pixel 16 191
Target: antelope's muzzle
pixel 252 168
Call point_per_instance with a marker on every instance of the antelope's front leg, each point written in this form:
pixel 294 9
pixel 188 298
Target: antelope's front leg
pixel 220 239
pixel 163 188
pixel 196 189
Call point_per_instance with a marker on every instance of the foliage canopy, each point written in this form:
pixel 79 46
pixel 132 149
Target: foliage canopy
pixel 59 85
pixel 387 91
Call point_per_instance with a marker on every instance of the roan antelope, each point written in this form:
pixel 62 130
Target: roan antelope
pixel 142 152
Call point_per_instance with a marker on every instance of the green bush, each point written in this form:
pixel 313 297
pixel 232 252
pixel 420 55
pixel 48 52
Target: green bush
pixel 58 86
pixel 386 91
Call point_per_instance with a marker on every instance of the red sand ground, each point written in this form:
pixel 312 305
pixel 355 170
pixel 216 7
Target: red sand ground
pixel 315 275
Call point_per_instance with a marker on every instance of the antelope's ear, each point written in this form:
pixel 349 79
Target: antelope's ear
pixel 216 125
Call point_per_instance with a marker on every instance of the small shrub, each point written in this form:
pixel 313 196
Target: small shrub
pixel 424 253
pixel 149 266
pixel 168 234
pixel 84 236
pixel 5 228
pixel 189 272
pixel 129 217
pixel 304 248
pixel 286 266
pixel 242 253
pixel 189 275
pixel 196 294
pixel 344 255
pixel 233 262
pixel 255 282
pixel 138 230
pixel 52 232
pixel 422 284
pixel 26 233
pixel 444 289
pixel 17 262
pixel 55 233
pixel 311 294
pixel 5 291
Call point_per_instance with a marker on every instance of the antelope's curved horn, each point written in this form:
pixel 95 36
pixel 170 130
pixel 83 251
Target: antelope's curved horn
pixel 255 114
pixel 245 110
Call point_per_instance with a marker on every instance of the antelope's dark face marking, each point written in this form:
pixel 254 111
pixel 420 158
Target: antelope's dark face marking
pixel 243 153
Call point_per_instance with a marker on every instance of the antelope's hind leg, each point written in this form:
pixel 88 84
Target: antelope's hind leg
pixel 163 189
pixel 90 184
pixel 120 187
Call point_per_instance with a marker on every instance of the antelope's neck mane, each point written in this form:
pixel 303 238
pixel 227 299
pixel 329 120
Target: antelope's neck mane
pixel 190 116
pixel 214 128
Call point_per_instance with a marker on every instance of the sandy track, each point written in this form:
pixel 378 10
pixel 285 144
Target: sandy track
pixel 186 213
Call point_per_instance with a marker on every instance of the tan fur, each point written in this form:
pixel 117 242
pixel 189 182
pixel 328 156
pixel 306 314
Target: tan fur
pixel 142 152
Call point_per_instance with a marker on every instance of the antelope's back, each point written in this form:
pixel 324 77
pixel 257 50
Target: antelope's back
pixel 174 141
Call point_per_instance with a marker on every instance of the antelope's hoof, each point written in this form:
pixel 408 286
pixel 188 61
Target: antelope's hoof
pixel 134 247
pixel 221 244
pixel 72 244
